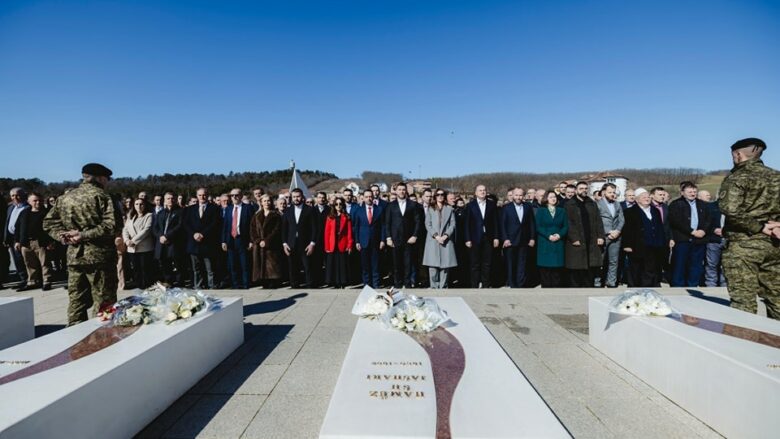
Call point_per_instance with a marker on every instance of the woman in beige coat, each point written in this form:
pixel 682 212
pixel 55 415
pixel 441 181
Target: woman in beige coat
pixel 137 235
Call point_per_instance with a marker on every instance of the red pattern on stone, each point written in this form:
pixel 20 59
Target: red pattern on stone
pixel 448 361
pixel 97 340
pixel 741 332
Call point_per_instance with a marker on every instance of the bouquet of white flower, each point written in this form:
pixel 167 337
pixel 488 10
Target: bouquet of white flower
pixel 415 314
pixel 158 304
pixel 643 302
pixel 376 306
pixel 371 304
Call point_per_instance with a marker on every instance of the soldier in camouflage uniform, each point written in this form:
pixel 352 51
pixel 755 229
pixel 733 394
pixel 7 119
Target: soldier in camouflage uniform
pixel 84 220
pixel 750 199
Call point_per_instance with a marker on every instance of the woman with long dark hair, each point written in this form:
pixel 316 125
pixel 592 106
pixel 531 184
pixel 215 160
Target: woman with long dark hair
pixel 439 255
pixel 338 243
pixel 552 225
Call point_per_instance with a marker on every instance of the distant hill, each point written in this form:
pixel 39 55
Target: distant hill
pixel 185 184
pixel 273 181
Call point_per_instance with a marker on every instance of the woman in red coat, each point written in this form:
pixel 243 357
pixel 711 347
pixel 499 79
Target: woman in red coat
pixel 338 244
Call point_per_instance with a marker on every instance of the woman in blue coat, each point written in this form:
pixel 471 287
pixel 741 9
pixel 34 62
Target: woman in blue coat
pixel 552 224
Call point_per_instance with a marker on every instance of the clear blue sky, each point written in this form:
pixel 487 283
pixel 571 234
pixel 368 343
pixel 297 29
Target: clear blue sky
pixel 445 87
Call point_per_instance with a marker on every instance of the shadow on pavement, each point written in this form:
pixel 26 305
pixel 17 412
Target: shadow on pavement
pixel 700 295
pixel 272 305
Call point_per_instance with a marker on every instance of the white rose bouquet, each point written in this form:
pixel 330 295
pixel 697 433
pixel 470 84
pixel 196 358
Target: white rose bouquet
pixel 415 314
pixel 160 304
pixel 371 304
pixel 643 302
pixel 376 306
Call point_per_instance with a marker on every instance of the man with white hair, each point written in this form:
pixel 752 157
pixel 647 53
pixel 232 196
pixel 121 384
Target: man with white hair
pixel 18 204
pixel 644 240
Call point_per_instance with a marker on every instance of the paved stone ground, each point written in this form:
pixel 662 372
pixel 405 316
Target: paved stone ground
pixel 278 383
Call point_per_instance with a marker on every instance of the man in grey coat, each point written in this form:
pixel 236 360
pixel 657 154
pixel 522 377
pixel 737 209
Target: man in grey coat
pixel 613 220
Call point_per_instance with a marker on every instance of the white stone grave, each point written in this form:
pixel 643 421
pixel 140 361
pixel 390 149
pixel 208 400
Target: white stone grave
pixel 732 385
pixel 386 387
pixel 17 321
pixel 117 391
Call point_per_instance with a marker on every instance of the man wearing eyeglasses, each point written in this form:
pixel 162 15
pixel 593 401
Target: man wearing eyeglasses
pixel 18 204
pixel 236 240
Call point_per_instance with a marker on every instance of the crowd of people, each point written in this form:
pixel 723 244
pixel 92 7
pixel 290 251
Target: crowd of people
pixel 562 237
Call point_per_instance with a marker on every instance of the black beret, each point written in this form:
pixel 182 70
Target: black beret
pixel 96 169
pixel 750 141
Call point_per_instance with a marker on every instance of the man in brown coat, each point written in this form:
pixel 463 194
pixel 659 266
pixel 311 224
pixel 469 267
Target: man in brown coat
pixel 584 240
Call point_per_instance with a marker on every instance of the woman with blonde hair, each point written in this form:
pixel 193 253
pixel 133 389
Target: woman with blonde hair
pixel 266 234
pixel 137 236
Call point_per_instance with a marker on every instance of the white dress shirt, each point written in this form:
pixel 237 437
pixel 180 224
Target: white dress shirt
pixel 402 206
pixel 519 210
pixel 611 207
pixel 18 208
pixel 297 211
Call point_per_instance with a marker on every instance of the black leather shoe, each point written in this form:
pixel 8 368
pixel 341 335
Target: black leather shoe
pixel 46 287
pixel 23 287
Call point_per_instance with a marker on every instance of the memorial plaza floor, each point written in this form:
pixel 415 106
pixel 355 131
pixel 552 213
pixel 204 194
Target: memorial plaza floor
pixel 279 382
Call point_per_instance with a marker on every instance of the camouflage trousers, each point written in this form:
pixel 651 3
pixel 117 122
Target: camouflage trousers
pixel 90 286
pixel 752 268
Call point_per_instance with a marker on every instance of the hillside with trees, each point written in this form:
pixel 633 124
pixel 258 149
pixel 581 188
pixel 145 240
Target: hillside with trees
pixel 185 184
pixel 274 181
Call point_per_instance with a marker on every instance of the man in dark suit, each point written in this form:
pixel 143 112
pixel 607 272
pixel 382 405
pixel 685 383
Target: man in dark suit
pixel 420 272
pixel 378 201
pixel 4 255
pixel 481 236
pixel 236 240
pixel 300 233
pixel 18 204
pixel 369 237
pixel 321 211
pixel 202 228
pixel 629 200
pixel 385 258
pixel 659 198
pixel 518 232
pixel 689 220
pixel 167 231
pixel 402 230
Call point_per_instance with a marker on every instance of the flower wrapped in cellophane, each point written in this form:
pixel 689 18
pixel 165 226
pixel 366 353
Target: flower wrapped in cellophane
pixel 371 304
pixel 415 314
pixel 159 304
pixel 641 302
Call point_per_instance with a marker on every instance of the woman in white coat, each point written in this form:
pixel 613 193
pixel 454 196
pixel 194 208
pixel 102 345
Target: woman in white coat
pixel 137 234
pixel 439 255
